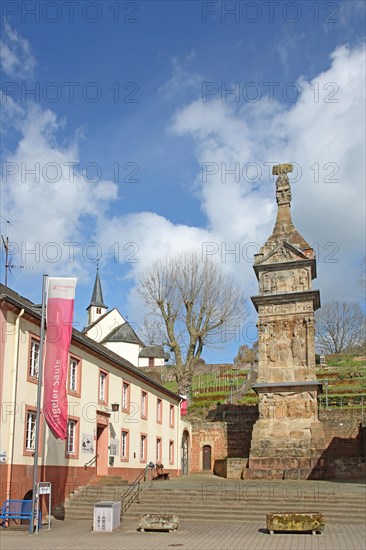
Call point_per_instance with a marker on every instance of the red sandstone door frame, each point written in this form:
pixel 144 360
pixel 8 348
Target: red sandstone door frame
pixel 102 443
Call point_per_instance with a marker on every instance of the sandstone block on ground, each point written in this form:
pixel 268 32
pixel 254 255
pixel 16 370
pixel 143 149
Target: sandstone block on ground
pixel 158 522
pixel 287 521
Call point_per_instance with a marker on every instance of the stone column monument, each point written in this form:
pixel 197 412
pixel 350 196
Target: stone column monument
pixel 288 438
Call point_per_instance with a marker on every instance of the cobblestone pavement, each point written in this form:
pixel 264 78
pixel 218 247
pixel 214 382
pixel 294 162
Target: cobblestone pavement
pixel 68 535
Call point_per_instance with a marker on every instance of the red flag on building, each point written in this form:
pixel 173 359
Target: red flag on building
pixel 59 316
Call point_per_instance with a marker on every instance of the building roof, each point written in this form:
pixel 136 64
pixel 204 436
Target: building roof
pixel 123 333
pixel 33 310
pixel 97 296
pixel 152 351
pixel 88 327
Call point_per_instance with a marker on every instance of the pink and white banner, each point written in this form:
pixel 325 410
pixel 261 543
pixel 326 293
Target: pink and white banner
pixel 59 315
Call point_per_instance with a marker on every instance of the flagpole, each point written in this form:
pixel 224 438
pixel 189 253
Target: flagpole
pixel 38 413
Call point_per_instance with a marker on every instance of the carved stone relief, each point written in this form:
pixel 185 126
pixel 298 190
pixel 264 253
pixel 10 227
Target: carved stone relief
pixel 299 307
pixel 283 343
pixel 283 254
pixel 281 282
pixel 297 346
pixel 283 189
pixel 287 406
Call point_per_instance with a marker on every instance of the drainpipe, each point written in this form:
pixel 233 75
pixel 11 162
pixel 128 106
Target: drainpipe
pixel 14 397
pixel 179 443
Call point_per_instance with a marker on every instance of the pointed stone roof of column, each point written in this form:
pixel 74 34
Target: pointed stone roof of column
pixel 284 229
pixel 97 296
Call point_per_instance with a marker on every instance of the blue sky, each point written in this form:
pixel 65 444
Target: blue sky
pixel 145 88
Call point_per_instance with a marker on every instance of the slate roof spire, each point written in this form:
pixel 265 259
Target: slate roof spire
pixel 97 296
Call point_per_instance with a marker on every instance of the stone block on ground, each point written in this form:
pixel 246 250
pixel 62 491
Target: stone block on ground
pixel 287 521
pixel 158 522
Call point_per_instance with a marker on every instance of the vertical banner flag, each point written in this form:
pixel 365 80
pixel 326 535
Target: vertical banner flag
pixel 59 316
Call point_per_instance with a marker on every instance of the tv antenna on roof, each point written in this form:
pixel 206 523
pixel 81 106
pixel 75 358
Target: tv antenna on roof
pixel 8 265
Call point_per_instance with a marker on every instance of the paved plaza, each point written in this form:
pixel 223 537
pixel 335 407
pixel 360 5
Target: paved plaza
pixel 78 535
pixel 203 535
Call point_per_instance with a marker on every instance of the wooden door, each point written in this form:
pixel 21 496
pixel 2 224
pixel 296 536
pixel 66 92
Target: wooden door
pixel 102 450
pixel 206 457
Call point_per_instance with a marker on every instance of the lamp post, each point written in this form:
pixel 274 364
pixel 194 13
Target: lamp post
pixel 236 376
pixel 326 382
pixel 231 382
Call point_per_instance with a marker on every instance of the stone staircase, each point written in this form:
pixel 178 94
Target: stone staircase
pixel 250 502
pixel 207 498
pixel 80 503
pixel 251 379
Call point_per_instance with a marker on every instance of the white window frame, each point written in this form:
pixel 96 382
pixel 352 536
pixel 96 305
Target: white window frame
pixel 30 436
pixel 159 409
pixel 102 386
pixel 71 435
pixel 143 439
pixel 171 452
pixel 143 403
pixel 73 376
pixel 125 390
pixel 34 358
pixel 171 416
pixel 158 449
pixel 124 444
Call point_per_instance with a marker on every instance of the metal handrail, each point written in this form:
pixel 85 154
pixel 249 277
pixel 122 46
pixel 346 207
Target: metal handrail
pixel 91 461
pixel 134 490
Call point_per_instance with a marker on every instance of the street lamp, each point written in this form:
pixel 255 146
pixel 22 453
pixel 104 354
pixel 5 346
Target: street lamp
pixel 326 382
pixel 231 382
pixel 236 376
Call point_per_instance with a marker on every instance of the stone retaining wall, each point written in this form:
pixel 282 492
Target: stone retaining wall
pixel 229 435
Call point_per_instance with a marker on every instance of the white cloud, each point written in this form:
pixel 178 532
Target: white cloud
pixel 325 133
pixel 17 60
pixel 181 80
pixel 145 235
pixel 47 197
pixel 238 212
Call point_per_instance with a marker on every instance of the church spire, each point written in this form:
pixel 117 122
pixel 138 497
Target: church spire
pixel 97 307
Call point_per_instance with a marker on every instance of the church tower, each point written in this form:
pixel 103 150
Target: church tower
pixel 96 308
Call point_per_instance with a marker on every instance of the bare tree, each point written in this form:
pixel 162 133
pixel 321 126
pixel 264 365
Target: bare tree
pixel 246 354
pixel 152 331
pixel 362 275
pixel 193 299
pixel 340 327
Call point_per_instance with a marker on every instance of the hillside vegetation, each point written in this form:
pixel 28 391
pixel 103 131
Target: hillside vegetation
pixel 344 376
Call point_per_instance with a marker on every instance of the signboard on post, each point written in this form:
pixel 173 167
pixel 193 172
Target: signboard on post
pixel 44 488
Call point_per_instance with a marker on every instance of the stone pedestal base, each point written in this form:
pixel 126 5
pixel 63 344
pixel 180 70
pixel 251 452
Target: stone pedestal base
pixel 285 468
pixel 288 439
pixel 230 468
